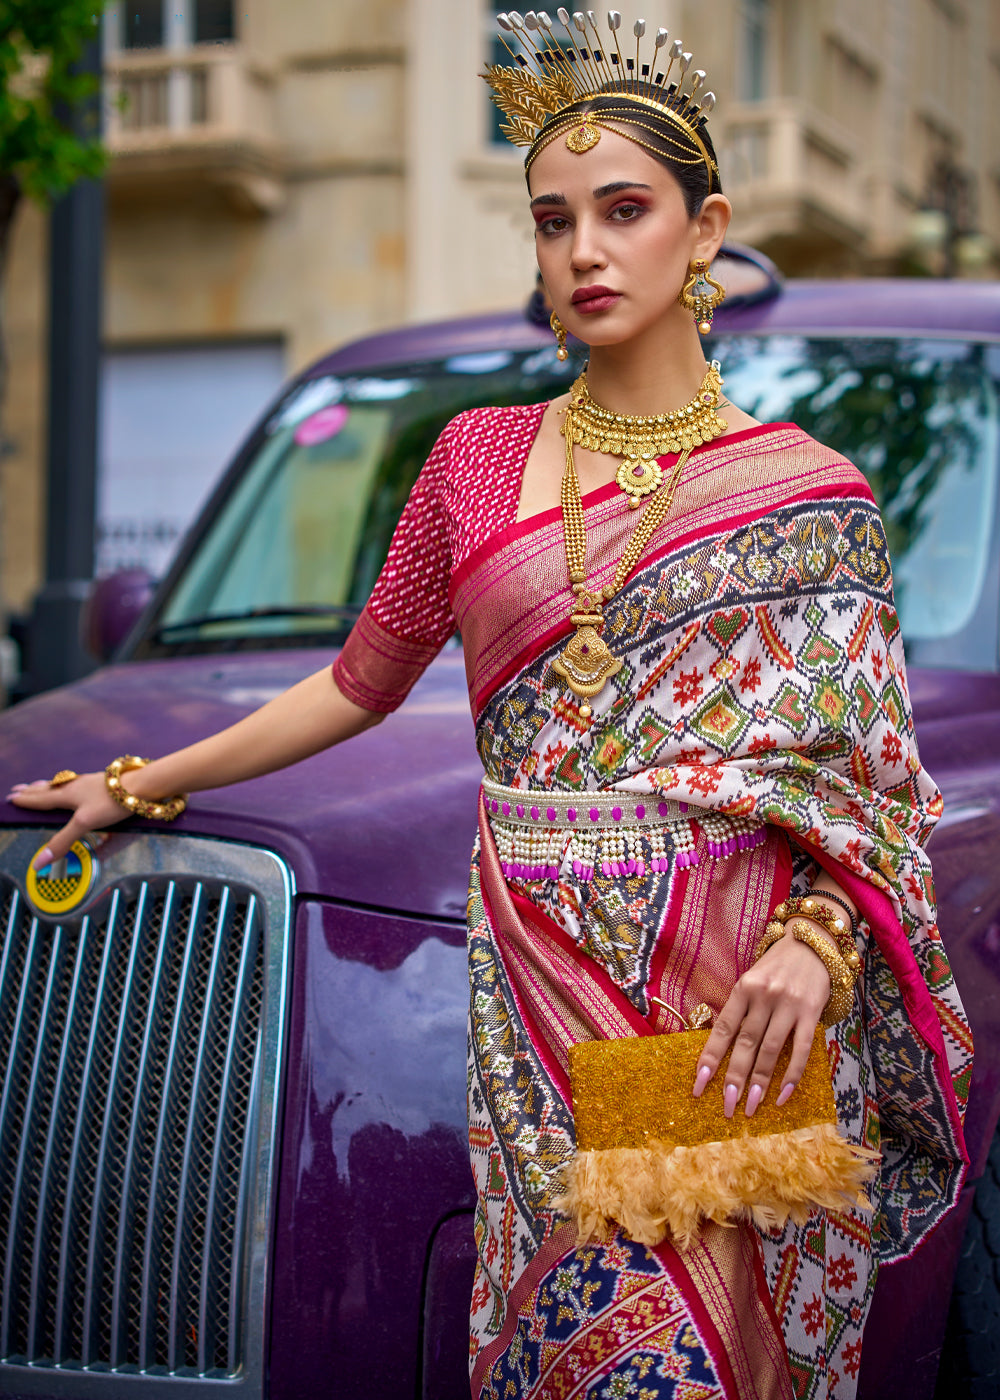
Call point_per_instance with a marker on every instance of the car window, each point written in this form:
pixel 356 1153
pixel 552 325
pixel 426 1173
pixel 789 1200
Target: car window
pixel 294 549
pixel 919 417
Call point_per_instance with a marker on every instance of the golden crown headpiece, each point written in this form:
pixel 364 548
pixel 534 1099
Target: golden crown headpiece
pixel 552 75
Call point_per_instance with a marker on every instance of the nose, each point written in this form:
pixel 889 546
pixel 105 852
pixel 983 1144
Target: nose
pixel 586 252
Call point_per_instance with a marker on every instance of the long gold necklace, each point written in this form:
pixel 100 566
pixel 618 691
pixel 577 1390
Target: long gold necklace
pixel 586 662
pixel 640 439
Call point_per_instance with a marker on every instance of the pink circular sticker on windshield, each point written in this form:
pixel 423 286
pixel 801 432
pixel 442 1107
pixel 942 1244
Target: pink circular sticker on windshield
pixel 319 426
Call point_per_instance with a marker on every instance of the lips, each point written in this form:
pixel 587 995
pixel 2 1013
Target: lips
pixel 595 298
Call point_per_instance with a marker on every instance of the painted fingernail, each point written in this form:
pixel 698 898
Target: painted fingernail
pixel 753 1099
pixel 701 1080
pixel 43 858
pixel 729 1100
pixel 785 1094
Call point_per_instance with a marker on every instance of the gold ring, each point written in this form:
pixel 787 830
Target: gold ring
pixel 65 775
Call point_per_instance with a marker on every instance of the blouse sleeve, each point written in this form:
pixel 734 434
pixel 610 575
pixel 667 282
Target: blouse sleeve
pixel 407 619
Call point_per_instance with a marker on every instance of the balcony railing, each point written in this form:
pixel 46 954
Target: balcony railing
pixel 784 152
pixel 192 111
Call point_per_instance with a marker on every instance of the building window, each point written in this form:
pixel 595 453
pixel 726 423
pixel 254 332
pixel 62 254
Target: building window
pixel 497 52
pixel 751 72
pixel 142 24
pixel 170 421
pixel 213 21
pixel 147 24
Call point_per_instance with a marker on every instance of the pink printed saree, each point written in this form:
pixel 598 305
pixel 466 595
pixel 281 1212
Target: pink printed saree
pixel 763 688
pixel 764 684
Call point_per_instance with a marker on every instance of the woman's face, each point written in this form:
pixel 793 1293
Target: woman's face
pixel 614 239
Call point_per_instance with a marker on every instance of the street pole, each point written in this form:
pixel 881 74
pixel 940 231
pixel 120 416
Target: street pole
pixel 55 652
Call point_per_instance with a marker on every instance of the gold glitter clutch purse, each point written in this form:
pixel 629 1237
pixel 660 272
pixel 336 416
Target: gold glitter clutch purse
pixel 656 1161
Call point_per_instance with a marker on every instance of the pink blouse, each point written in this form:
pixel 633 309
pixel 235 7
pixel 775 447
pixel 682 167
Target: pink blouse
pixel 467 490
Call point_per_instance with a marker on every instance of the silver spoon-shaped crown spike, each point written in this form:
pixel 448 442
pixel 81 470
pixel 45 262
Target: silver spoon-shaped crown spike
pixel 639 28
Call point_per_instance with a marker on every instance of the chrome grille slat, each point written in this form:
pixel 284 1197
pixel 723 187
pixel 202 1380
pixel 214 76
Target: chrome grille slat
pixel 211 1244
pixel 237 1268
pixel 7 1112
pixel 66 1299
pixel 140 1109
pixel 22 1198
pixel 103 1200
pixel 53 1161
pixel 176 1346
pixel 139 1069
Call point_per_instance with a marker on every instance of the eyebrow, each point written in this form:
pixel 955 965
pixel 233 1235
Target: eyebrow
pixel 601 192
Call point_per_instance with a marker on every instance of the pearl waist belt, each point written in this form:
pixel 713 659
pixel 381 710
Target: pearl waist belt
pixel 618 833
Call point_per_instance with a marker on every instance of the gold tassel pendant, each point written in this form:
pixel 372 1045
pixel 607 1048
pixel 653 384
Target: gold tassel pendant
pixel 586 662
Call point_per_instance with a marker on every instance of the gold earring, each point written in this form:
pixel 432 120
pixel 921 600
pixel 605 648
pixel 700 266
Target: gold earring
pixel 695 294
pixel 559 331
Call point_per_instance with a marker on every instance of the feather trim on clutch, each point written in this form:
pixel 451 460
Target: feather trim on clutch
pixel 657 1161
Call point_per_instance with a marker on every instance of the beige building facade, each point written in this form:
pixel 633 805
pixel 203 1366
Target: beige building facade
pixel 294 173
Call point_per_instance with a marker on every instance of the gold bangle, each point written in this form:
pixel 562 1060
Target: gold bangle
pixel 841 1000
pixel 164 811
pixel 841 932
pixel 773 933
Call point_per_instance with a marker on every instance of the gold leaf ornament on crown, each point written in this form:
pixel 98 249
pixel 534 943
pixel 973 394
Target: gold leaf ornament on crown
pixel 550 75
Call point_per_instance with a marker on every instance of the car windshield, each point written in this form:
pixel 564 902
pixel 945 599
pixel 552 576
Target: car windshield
pixel 292 552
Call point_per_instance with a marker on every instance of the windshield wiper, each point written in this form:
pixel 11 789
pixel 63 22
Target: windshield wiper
pixel 346 614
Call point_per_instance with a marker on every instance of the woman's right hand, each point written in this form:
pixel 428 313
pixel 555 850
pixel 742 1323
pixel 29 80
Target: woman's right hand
pixel 87 797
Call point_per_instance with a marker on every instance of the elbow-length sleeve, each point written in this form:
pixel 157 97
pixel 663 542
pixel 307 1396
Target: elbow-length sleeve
pixel 407 619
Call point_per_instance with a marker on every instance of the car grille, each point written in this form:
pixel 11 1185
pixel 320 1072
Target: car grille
pixel 131 1047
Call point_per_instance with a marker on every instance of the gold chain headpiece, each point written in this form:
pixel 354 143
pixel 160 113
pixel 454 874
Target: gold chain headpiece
pixel 551 76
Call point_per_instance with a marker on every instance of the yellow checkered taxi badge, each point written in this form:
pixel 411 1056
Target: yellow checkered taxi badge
pixel 62 885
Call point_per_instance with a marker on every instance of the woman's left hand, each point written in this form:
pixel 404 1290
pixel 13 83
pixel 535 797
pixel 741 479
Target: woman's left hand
pixel 782 995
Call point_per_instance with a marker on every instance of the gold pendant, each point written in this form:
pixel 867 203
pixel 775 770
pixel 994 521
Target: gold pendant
pixel 583 138
pixel 637 477
pixel 585 662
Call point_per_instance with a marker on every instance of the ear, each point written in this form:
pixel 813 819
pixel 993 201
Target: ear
pixel 712 221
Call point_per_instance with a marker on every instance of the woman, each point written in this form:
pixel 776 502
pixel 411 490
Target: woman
pixel 690 699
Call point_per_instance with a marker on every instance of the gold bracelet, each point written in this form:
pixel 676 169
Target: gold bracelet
pixel 839 931
pixel 164 811
pixel 773 933
pixel 841 1000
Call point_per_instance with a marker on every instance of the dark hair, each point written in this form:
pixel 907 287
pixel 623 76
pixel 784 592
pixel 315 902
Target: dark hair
pixel 659 136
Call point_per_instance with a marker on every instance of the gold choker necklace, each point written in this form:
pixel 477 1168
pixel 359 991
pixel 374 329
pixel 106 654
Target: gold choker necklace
pixel 641 439
pixel 586 662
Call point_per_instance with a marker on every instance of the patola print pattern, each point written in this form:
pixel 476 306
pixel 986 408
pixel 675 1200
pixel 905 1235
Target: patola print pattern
pixel 764 677
pixel 763 685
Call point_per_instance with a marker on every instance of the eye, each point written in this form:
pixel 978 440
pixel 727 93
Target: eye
pixel 555 223
pixel 626 213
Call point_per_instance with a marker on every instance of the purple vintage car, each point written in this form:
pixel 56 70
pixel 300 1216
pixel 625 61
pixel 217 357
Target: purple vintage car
pixel 232 1123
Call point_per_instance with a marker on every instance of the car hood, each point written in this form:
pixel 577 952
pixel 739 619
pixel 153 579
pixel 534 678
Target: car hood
pixel 387 820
